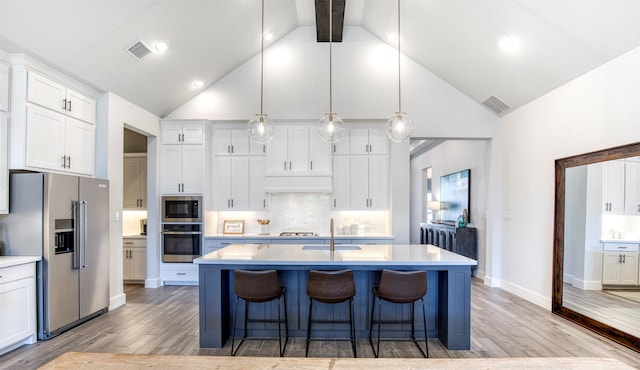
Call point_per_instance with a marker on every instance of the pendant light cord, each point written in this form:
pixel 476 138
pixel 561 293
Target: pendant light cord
pixel 262 61
pixel 330 59
pixel 399 86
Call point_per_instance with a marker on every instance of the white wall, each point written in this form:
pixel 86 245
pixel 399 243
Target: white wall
pixel 598 110
pixel 448 157
pixel 113 114
pixel 364 89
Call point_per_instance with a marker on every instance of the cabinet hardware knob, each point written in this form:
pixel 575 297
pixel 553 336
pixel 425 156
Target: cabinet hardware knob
pixel 334 202
pixel 64 161
pixel 289 165
pixel 69 105
pixel 264 203
pixel 64 104
pixel 311 162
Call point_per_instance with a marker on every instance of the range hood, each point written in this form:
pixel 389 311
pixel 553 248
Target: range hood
pixel 298 184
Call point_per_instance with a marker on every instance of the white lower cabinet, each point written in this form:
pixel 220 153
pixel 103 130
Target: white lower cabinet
pixel 620 264
pixel 179 273
pixel 17 305
pixel 134 258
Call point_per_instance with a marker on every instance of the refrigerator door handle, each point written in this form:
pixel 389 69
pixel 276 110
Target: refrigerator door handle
pixel 83 208
pixel 75 211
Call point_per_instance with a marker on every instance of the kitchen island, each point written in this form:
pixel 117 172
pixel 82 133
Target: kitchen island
pixel 448 298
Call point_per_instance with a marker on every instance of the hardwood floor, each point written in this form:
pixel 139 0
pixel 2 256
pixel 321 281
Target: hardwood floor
pixel 165 321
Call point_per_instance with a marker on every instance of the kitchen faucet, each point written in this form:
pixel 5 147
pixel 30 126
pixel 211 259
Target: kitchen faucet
pixel 332 245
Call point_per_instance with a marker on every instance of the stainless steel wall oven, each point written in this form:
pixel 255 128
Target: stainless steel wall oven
pixel 181 242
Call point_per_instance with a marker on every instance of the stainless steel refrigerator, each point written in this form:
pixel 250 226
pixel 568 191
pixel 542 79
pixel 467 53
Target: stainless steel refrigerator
pixel 65 219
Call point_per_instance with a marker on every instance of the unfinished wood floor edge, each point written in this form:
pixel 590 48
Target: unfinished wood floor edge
pixel 72 360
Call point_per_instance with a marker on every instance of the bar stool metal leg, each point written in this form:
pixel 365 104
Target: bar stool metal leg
pixel 306 351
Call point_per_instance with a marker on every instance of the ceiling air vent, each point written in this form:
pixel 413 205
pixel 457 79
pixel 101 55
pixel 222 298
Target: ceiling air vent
pixel 496 105
pixel 139 50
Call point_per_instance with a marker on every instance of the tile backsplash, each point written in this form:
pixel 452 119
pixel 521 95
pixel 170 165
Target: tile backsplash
pixel 131 221
pixel 302 212
pixel 620 227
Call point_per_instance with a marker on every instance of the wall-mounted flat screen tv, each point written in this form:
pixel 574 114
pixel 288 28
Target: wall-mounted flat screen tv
pixel 455 195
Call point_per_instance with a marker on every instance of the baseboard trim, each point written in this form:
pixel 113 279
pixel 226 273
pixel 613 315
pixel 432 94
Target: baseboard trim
pixel 533 297
pixel 152 283
pixel 587 284
pixel 117 301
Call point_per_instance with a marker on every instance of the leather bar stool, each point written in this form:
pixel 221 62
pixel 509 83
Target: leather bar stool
pixel 331 287
pixel 404 288
pixel 258 287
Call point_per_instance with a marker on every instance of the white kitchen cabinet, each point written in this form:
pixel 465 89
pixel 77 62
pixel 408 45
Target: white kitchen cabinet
pixel 231 185
pixel 620 264
pixel 297 150
pixel 17 305
pixel 230 142
pixel 182 133
pixel 613 187
pixel 179 273
pixel 4 86
pixel 182 169
pixel 368 141
pixel 134 181
pixel 632 187
pixel 257 195
pixel 58 142
pixel 52 121
pixel 368 188
pixel 341 182
pixel 239 183
pixel 4 169
pixel 50 94
pixel 134 258
pixel 184 149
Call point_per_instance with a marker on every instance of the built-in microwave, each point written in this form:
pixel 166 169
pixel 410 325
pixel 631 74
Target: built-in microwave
pixel 182 209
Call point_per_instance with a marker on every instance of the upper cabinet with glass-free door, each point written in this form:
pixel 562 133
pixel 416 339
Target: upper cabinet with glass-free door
pixel 52 120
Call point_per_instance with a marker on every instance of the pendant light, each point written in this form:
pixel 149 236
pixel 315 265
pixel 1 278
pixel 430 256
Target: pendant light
pixel 330 126
pixel 261 127
pixel 400 126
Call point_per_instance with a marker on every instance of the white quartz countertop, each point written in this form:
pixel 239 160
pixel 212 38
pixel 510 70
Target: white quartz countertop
pixel 296 254
pixel 630 241
pixel 8 261
pixel 319 236
pixel 134 236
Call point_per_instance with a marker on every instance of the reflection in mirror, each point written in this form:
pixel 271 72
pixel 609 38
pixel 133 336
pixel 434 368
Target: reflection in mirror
pixel 601 238
pixel 597 241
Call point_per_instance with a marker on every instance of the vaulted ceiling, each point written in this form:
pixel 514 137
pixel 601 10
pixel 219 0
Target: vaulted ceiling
pixel 555 40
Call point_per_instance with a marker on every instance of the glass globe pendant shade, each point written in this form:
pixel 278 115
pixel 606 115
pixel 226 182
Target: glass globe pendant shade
pixel 330 128
pixel 261 129
pixel 400 127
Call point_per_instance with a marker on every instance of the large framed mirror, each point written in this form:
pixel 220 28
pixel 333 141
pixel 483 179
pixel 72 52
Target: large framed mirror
pixel 596 274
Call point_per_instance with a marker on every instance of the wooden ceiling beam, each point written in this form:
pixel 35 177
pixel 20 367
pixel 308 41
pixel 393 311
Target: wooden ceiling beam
pixel 322 20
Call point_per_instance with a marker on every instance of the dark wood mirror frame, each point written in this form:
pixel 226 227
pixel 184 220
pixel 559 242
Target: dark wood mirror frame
pixel 631 150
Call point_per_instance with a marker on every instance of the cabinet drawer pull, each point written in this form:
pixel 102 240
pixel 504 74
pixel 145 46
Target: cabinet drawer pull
pixel 311 165
pixel 128 243
pixel 69 109
pixel 181 273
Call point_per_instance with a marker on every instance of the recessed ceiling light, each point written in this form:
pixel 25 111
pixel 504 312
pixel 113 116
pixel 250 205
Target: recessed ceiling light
pixel 268 36
pixel 162 46
pixel 197 84
pixel 392 36
pixel 506 42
